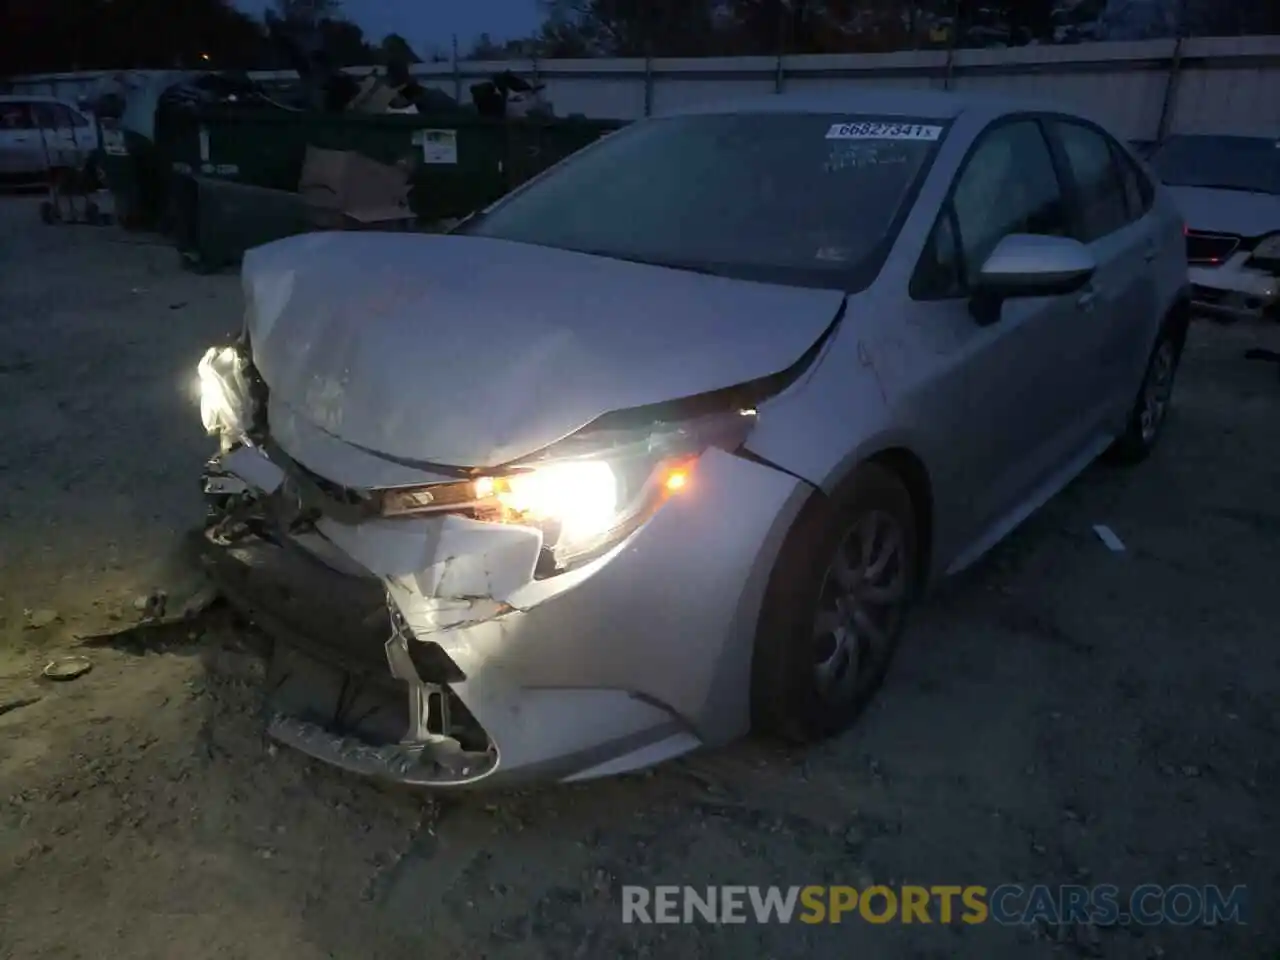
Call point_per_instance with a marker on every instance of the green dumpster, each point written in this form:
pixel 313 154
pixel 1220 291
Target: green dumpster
pixel 134 173
pixel 138 152
pixel 216 221
pixel 463 162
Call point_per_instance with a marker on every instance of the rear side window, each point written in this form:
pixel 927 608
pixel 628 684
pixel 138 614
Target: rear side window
pixel 1101 195
pixel 15 116
pixel 48 116
pixel 1008 185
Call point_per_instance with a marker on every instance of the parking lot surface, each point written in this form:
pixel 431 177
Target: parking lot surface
pixel 1062 714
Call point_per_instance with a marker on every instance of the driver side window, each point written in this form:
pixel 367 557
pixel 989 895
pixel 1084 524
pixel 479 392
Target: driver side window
pixel 1008 185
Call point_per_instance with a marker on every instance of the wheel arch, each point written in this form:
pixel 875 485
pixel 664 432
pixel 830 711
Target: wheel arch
pixel 769 660
pixel 907 466
pixel 902 460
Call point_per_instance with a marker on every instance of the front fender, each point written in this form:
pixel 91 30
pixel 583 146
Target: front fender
pixel 855 405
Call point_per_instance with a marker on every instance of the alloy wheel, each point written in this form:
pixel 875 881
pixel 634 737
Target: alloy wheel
pixel 1156 391
pixel 861 606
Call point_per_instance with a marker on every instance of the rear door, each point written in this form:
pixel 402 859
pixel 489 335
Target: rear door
pixel 1165 259
pixel 19 141
pixel 1021 373
pixel 1121 233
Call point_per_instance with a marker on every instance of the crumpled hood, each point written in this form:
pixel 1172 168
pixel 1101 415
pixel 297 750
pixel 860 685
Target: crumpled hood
pixel 1248 215
pixel 474 352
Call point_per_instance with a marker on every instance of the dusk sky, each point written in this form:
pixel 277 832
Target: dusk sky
pixel 429 24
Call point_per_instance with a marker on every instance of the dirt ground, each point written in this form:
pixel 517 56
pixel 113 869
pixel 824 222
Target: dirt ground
pixel 1062 714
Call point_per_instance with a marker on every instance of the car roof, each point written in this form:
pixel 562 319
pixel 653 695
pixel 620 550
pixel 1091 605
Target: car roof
pixel 885 101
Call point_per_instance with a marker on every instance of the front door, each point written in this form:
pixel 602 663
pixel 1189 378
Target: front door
pixel 1022 372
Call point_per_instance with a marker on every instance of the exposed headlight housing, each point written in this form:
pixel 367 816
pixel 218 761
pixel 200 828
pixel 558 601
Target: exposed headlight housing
pixel 222 381
pixel 587 492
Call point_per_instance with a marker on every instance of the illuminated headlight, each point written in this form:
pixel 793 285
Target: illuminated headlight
pixel 588 492
pixel 223 391
pixel 1268 248
pixel 580 498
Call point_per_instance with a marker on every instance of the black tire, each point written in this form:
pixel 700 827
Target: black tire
pixel 1140 438
pixel 787 697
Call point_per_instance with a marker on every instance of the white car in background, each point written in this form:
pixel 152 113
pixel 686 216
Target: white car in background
pixel 39 133
pixel 1228 189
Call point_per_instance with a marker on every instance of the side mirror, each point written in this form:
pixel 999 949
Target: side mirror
pixel 1029 265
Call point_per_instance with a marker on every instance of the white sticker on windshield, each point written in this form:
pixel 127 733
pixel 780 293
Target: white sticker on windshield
pixel 883 131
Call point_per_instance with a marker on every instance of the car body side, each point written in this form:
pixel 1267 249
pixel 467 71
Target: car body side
pixel 899 385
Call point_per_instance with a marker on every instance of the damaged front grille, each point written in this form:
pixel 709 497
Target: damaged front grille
pixel 336 492
pixel 352 505
pixel 312 494
pixel 450 496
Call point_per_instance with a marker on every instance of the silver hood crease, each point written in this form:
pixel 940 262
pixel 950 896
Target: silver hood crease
pixel 523 344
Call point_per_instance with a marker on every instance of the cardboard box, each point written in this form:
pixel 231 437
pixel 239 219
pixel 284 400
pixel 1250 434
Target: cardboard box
pixel 375 96
pixel 341 184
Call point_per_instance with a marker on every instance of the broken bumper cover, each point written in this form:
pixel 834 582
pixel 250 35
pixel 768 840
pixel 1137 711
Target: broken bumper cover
pixel 394 634
pixel 331 692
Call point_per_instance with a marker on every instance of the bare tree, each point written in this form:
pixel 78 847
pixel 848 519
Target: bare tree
pixel 627 28
pixel 309 12
pixel 396 47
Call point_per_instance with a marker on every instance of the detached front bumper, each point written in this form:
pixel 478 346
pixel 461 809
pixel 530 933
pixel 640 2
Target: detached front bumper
pixel 409 649
pixel 331 691
pixel 1235 290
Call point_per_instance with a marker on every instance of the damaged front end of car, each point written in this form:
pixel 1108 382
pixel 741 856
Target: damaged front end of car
pixel 428 621
pixel 346 684
pixel 492 500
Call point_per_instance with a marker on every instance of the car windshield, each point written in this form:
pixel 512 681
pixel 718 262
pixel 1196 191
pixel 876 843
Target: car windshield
pixel 806 199
pixel 1226 163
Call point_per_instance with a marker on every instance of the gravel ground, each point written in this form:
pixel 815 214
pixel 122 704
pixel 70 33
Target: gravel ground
pixel 1061 714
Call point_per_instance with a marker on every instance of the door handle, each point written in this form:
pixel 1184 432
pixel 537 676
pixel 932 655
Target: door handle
pixel 1087 300
pixel 1150 253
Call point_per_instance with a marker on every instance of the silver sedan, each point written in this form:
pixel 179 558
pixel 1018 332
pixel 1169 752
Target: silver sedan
pixel 662 447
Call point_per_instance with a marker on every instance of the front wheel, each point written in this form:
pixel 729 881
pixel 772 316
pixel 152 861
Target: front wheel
pixel 1151 409
pixel 835 608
